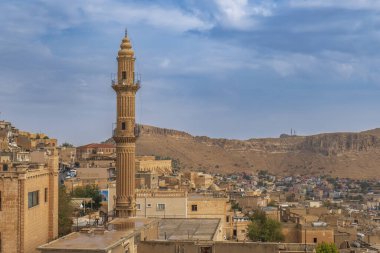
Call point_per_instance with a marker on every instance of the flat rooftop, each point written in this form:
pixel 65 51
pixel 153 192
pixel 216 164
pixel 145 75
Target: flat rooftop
pixel 96 239
pixel 188 229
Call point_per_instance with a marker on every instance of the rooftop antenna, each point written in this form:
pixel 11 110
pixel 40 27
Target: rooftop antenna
pixel 126 32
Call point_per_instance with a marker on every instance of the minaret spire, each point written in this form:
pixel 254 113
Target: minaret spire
pixel 124 135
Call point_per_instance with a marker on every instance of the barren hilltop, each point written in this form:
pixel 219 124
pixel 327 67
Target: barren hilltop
pixel 354 155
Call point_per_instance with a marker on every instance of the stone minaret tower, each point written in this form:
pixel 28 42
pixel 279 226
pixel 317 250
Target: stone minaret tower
pixel 124 135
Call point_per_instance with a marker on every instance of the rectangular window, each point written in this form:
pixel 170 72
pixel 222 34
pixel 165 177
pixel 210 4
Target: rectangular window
pixel 122 125
pixel 5 167
pixel 148 205
pixel 46 195
pixel 194 208
pixel 207 249
pixel 33 199
pixel 227 218
pixel 138 207
pixel 315 240
pixel 124 75
pixel 160 207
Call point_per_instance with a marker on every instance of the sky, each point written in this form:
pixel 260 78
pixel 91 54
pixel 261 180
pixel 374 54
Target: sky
pixel 222 68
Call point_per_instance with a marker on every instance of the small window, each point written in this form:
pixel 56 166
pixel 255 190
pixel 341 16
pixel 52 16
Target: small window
pixel 194 208
pixel 207 249
pixel 227 218
pixel 46 195
pixel 124 75
pixel 122 125
pixel 138 207
pixel 160 207
pixel 315 240
pixel 33 199
pixel 148 205
pixel 5 167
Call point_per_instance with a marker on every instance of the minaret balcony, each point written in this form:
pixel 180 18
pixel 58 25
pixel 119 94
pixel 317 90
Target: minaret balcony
pixel 124 85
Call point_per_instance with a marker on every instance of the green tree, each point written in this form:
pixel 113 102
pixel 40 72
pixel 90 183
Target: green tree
pixel 67 145
pixel 89 191
pixel 64 212
pixel 264 229
pixel 236 206
pixel 326 248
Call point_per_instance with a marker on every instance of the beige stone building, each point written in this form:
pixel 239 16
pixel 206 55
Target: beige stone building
pixel 150 164
pixel 94 149
pixel 4 135
pixel 199 180
pixel 161 204
pixel 252 202
pixel 32 141
pixel 28 204
pixel 302 225
pixel 208 206
pixel 67 155
pixel 147 180
pixel 100 177
pixel 180 204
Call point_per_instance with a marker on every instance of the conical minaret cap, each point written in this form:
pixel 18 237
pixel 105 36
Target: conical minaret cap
pixel 126 47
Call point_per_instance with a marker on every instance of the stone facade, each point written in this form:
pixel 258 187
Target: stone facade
pixel 199 180
pixel 222 247
pixel 311 234
pixel 150 164
pixel 149 180
pixel 26 224
pixel 208 207
pixel 67 155
pixel 170 204
pixel 94 149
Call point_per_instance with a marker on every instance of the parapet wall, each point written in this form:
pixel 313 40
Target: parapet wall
pixel 222 247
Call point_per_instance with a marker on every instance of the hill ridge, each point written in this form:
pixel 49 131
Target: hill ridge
pixel 344 154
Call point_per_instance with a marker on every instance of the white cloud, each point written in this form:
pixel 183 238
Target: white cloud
pixel 165 63
pixel 157 16
pixel 241 14
pixel 344 4
pixel 36 18
pixel 291 64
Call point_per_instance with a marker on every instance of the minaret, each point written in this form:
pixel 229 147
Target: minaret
pixel 124 136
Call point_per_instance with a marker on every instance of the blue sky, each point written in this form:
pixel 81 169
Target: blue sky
pixel 222 68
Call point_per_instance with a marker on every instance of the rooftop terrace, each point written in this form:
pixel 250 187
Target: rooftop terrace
pixel 188 229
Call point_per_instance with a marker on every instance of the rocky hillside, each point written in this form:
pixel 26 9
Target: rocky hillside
pixel 355 155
